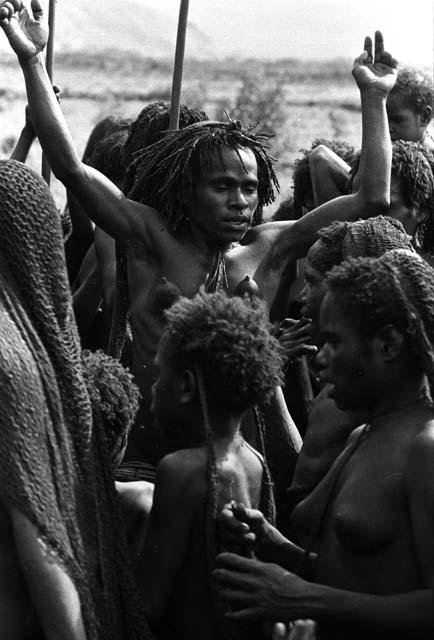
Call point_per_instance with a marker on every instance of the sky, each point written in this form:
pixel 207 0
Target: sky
pixel 312 28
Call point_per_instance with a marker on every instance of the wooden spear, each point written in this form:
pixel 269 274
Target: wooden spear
pixel 49 63
pixel 179 63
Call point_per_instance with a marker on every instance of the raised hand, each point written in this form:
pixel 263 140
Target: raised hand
pixel 27 34
pixel 376 72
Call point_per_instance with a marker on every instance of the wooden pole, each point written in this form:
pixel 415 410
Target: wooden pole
pixel 178 67
pixel 49 63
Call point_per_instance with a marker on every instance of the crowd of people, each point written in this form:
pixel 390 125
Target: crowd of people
pixel 214 426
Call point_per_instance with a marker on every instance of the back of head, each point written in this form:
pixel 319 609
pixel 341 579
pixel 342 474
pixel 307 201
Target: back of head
pixel 396 289
pixel 108 153
pixel 167 172
pixel 148 128
pixel 101 130
pixel 114 396
pixel 229 341
pixel 416 88
pixel 364 238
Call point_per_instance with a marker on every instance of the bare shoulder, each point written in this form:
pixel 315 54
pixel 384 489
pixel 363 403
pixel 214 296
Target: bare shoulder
pixel 268 231
pixel 420 456
pixel 183 471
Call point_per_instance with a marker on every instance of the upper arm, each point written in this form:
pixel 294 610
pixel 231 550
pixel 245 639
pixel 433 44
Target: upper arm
pixel 419 478
pixel 52 591
pixel 168 533
pixel 106 205
pixel 295 241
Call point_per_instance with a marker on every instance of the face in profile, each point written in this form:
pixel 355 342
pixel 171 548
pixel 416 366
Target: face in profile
pixel 225 198
pixel 314 288
pixel 346 361
pixel 404 122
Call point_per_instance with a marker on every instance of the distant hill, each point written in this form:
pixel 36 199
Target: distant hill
pixel 126 26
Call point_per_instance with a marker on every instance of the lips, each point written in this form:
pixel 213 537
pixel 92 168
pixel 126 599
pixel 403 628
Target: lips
pixel 237 220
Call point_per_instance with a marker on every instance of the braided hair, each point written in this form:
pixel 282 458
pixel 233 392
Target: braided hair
pixel 397 289
pixel 167 171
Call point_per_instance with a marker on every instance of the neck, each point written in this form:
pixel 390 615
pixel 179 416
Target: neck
pixel 207 245
pixel 403 393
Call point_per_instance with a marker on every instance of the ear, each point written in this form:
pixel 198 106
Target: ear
pixel 390 342
pixel 426 115
pixel 421 216
pixel 189 387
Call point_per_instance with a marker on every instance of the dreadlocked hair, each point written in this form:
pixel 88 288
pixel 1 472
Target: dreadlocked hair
pixel 302 183
pixel 153 119
pixel 415 87
pixel 364 238
pixel 167 172
pixel 414 166
pixel 397 289
pixel 107 155
pixel 112 390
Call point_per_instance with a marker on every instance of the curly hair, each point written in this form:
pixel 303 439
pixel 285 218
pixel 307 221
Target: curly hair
pixel 364 238
pixel 114 395
pixel 415 87
pixel 397 289
pixel 167 171
pixel 414 166
pixel 230 340
pixel 302 183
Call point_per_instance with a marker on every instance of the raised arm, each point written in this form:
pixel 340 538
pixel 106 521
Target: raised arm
pixel 372 197
pixel 25 140
pixel 99 197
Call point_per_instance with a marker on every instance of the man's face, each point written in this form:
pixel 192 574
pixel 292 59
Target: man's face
pixel 347 361
pixel 404 123
pixel 225 198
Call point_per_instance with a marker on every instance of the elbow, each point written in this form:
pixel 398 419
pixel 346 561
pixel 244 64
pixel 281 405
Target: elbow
pixel 68 174
pixel 376 207
pixel 318 155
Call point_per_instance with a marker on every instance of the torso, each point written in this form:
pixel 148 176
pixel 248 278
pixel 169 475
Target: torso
pixel 182 264
pixel 366 543
pixel 193 611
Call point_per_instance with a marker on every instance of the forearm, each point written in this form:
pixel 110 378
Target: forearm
pixel 279 550
pixel 376 156
pixel 410 614
pixel 49 122
pixel 24 143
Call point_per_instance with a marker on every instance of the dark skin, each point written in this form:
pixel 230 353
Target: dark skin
pixel 374 568
pixel 185 257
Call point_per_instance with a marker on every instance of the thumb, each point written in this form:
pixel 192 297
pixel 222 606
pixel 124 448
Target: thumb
pixel 38 12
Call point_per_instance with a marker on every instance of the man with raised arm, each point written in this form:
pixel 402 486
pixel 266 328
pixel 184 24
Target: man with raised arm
pixel 197 209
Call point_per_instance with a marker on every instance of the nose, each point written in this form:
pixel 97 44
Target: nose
pixel 237 199
pixel 322 359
